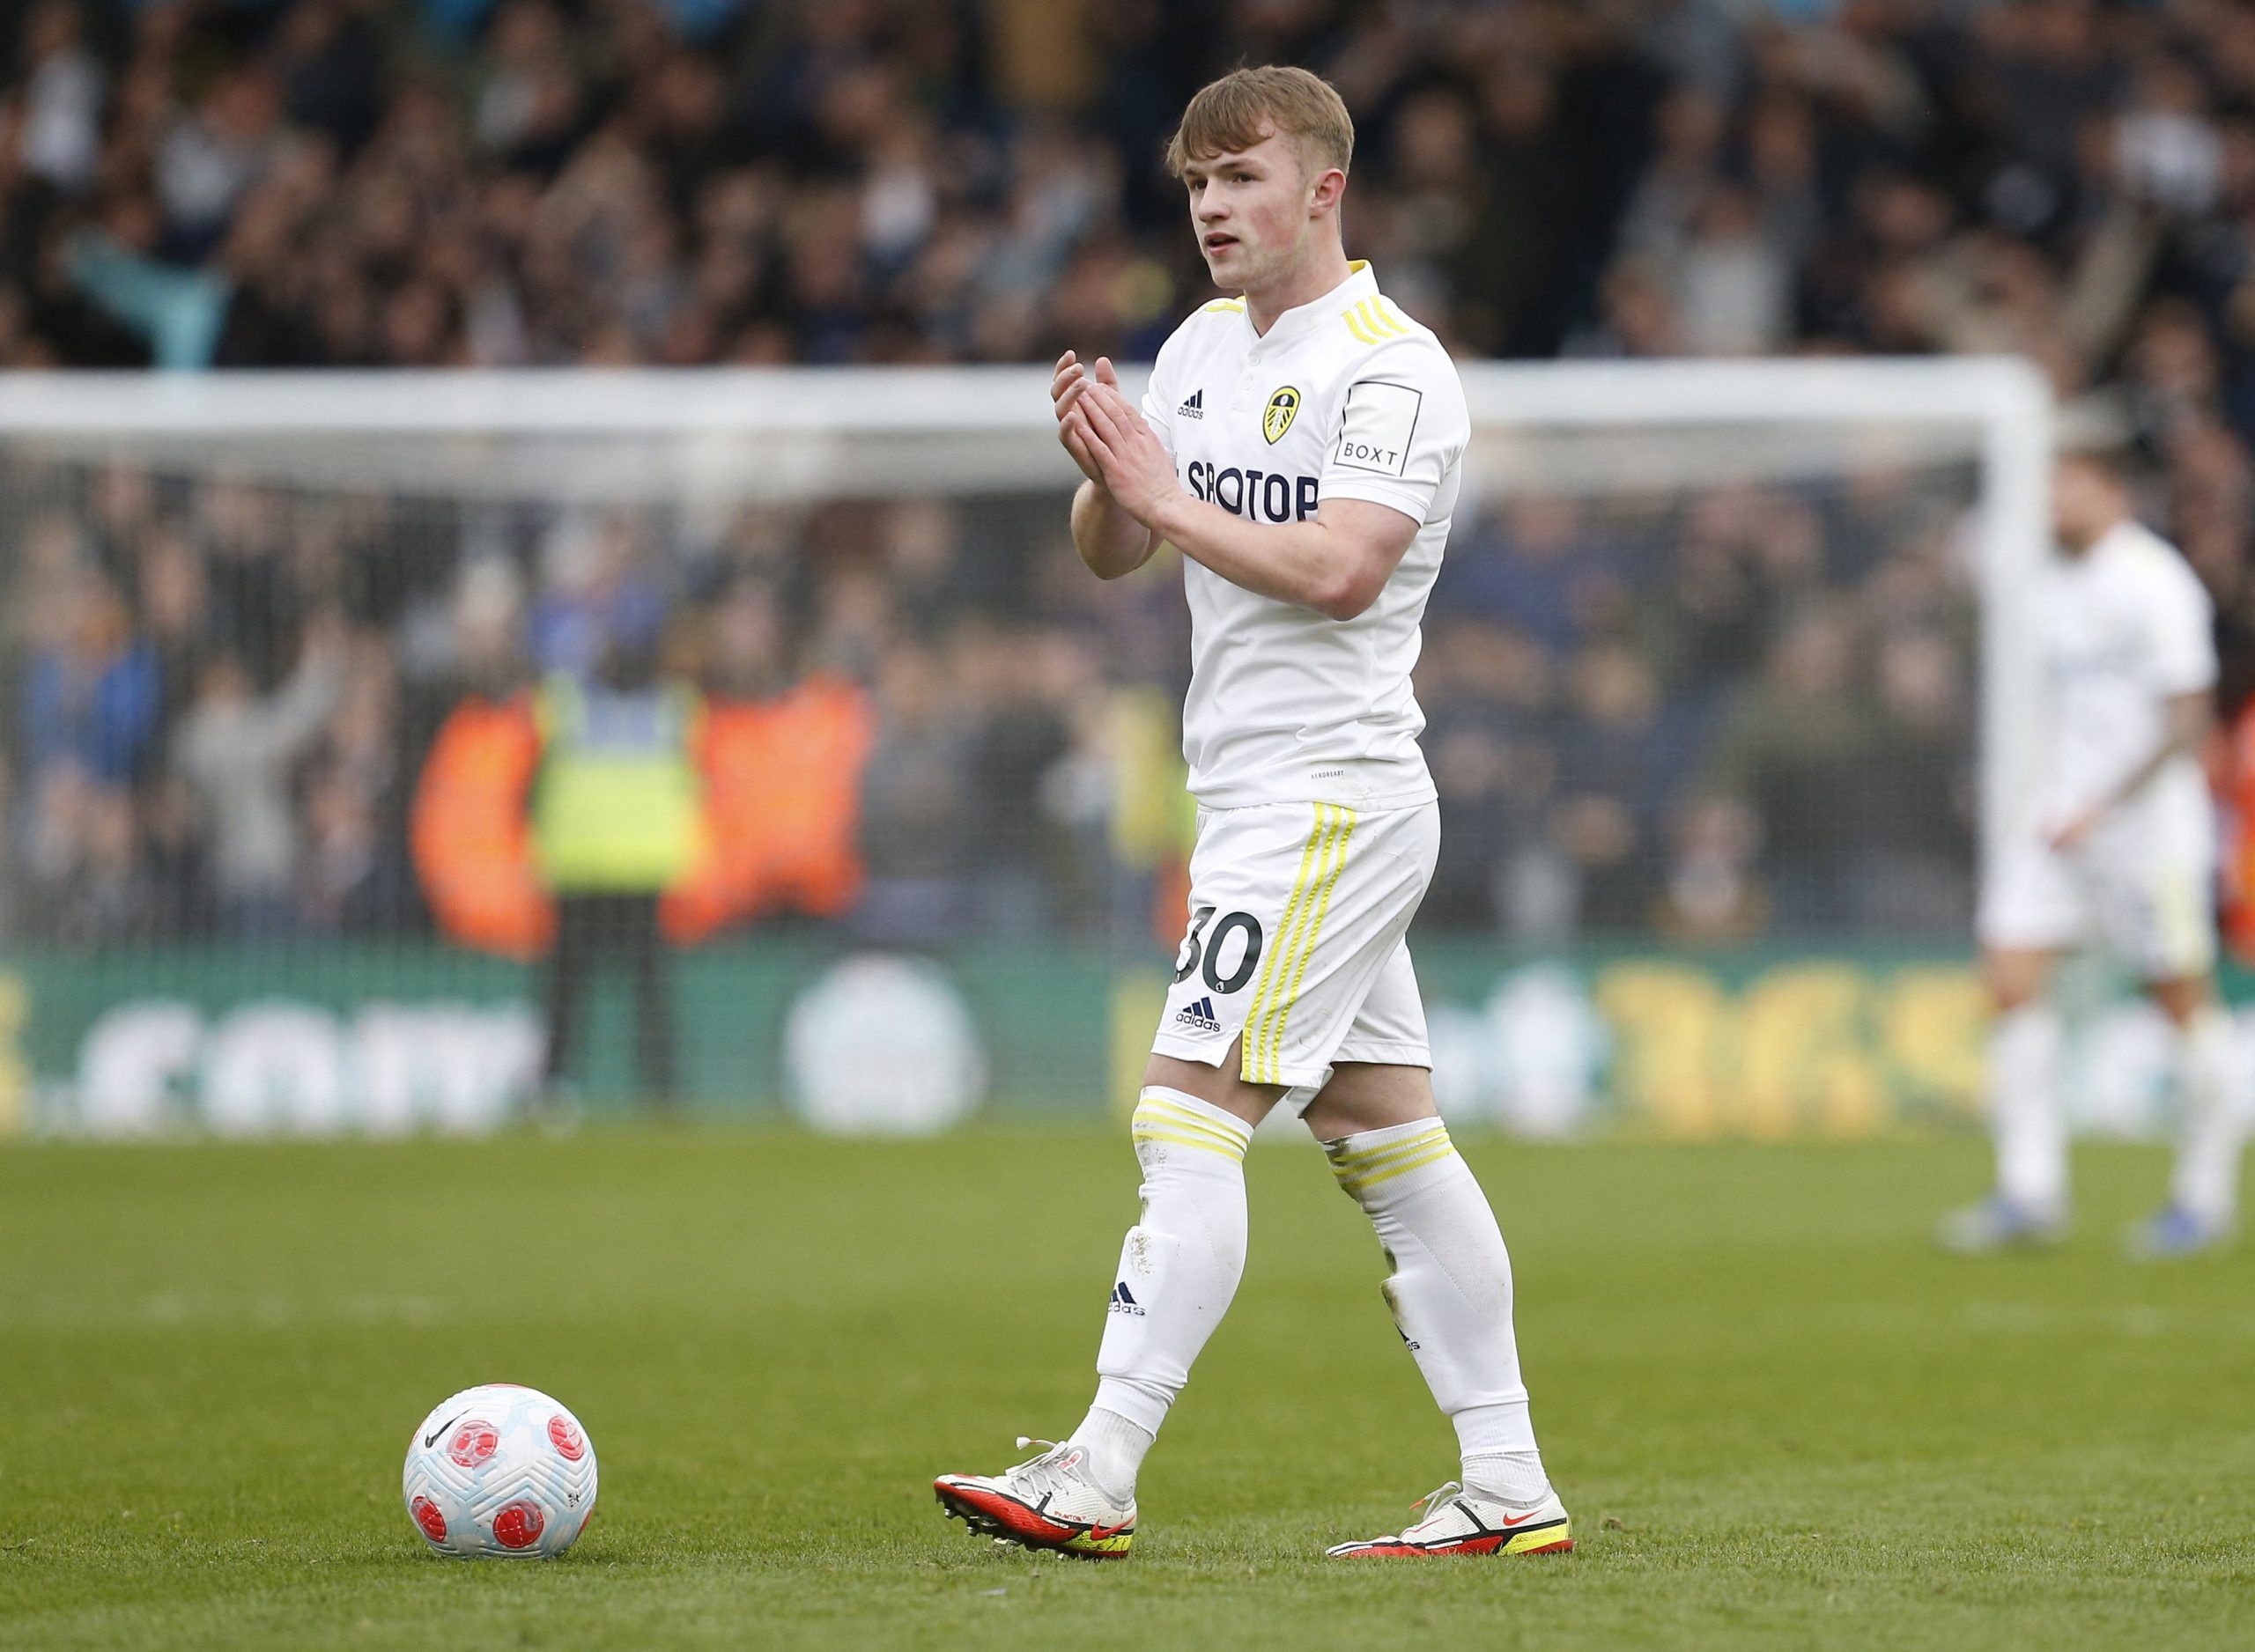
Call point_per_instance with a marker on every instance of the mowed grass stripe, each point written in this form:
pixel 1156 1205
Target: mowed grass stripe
pixel 1778 1419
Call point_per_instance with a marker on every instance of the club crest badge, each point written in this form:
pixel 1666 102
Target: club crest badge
pixel 1278 417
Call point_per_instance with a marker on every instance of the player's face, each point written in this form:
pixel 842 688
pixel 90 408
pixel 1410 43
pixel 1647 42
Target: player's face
pixel 2085 501
pixel 1254 212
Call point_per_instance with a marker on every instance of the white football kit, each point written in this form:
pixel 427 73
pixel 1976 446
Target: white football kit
pixel 2127 627
pixel 1317 823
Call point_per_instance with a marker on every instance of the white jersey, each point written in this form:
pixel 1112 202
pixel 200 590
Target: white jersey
pixel 1343 398
pixel 2127 627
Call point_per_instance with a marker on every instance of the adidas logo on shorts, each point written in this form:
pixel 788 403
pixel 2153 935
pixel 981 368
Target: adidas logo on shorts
pixel 1198 1015
pixel 1123 1302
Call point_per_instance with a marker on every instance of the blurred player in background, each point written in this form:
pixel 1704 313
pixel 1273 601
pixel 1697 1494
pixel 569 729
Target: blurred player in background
pixel 1301 446
pixel 2118 845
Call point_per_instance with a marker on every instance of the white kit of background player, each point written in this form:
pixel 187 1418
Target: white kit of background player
pixel 1301 447
pixel 2117 845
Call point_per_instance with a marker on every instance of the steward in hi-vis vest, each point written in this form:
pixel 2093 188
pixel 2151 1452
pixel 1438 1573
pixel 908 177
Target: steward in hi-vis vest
pixel 618 805
pixel 618 819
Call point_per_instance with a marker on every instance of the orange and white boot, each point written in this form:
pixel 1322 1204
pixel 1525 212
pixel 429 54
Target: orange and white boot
pixel 1046 1502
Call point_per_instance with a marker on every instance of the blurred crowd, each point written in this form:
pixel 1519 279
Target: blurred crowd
pixel 1665 714
pixel 1712 714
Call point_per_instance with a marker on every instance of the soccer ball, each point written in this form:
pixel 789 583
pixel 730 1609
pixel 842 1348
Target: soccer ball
pixel 499 1472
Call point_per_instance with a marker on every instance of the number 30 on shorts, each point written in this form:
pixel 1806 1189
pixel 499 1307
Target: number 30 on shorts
pixel 1197 948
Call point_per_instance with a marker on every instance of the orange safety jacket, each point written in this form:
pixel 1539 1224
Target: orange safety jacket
pixel 782 802
pixel 471 832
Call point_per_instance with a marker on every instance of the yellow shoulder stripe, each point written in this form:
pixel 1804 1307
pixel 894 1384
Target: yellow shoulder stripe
pixel 1401 323
pixel 1373 321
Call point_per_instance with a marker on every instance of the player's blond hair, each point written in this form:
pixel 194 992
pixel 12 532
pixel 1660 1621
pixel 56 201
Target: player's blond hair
pixel 1241 109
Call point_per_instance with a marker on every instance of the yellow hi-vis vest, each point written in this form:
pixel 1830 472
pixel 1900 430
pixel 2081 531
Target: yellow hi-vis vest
pixel 618 807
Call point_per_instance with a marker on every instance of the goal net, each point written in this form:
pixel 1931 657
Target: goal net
pixel 386 751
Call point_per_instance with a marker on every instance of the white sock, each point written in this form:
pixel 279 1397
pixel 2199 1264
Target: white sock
pixel 1451 1294
pixel 1177 1272
pixel 2031 1132
pixel 2212 1092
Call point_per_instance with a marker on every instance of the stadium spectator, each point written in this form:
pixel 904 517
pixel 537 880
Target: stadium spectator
pixel 237 750
pixel 1798 744
pixel 916 806
pixel 351 183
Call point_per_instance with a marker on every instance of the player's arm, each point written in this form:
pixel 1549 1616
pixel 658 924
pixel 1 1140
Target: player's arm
pixel 1336 563
pixel 1109 540
pixel 2190 718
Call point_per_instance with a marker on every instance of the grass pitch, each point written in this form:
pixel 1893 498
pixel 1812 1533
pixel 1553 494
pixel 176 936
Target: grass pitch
pixel 1779 1420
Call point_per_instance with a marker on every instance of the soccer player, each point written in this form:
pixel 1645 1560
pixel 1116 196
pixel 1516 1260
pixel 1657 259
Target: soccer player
pixel 1300 444
pixel 2119 844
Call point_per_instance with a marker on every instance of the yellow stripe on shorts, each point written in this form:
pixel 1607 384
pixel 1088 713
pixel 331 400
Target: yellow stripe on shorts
pixel 1248 1060
pixel 1262 1062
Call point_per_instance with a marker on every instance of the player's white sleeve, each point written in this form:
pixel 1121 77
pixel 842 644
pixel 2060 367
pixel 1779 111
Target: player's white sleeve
pixel 2180 631
pixel 1159 403
pixel 1402 429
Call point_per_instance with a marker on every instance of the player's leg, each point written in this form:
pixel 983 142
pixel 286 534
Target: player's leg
pixel 1256 873
pixel 2026 1115
pixel 2032 909
pixel 1449 1287
pixel 1179 1270
pixel 2157 910
pixel 1180 1263
pixel 2212 1104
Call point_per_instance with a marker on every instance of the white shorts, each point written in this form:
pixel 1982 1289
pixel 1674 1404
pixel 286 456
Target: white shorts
pixel 2142 884
pixel 1298 913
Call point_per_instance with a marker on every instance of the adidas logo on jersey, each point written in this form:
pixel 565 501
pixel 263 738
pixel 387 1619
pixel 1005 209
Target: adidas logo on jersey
pixel 1195 408
pixel 1123 1300
pixel 1199 1014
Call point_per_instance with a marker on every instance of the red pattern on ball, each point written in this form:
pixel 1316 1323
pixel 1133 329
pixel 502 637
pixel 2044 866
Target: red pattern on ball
pixel 565 1436
pixel 427 1516
pixel 474 1443
pixel 518 1525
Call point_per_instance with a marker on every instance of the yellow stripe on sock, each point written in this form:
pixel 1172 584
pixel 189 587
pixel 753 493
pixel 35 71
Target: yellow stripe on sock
pixel 1346 1158
pixel 1174 1110
pixel 1248 1049
pixel 1153 1119
pixel 1362 1181
pixel 1182 1138
pixel 1310 930
pixel 1351 1175
pixel 1156 1129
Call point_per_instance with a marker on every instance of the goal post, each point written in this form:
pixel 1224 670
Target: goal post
pixel 707 440
pixel 900 533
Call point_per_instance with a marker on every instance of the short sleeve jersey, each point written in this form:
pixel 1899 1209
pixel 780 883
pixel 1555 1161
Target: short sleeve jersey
pixel 2128 627
pixel 1343 398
